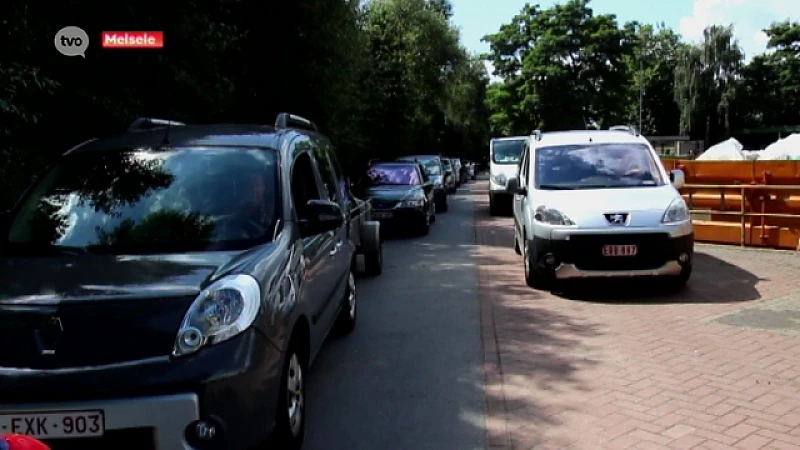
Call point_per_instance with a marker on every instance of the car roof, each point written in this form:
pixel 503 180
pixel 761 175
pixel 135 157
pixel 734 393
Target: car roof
pixel 411 157
pixel 511 138
pixel 240 135
pixel 395 163
pixel 589 136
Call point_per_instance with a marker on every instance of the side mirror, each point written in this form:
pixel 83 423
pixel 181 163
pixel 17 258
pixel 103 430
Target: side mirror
pixel 512 185
pixel 677 178
pixel 322 216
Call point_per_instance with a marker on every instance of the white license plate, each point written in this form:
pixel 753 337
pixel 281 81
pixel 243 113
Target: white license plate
pixel 620 250
pixel 382 215
pixel 55 425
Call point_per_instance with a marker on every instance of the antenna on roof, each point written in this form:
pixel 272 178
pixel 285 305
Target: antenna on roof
pixel 586 125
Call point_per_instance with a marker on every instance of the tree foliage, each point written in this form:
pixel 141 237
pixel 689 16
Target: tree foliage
pixel 564 66
pixel 381 78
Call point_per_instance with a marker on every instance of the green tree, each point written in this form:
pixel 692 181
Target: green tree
pixel 562 66
pixel 706 78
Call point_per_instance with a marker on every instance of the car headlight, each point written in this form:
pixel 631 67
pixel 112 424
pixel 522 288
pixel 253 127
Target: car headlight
pixel 677 211
pixel 551 216
pixel 417 203
pixel 223 310
pixel 500 178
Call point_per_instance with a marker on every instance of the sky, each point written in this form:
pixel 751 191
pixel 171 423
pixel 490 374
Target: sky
pixel 477 18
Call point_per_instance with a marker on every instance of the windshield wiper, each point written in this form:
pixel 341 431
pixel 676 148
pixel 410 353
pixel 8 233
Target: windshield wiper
pixel 556 187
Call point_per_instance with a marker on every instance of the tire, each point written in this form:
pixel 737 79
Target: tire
pixel 290 418
pixel 348 314
pixel 494 209
pixel 533 278
pixel 517 250
pixel 373 261
pixel 441 204
pixel 425 227
pixel 678 282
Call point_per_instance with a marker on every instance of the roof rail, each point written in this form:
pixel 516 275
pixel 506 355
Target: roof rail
pixel 287 120
pixel 625 128
pixel 150 123
pixel 537 134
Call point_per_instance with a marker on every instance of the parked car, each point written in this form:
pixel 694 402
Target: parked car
pixel 169 287
pixel 473 171
pixel 434 169
pixel 401 195
pixel 504 156
pixel 457 170
pixel 599 204
pixel 463 170
pixel 449 176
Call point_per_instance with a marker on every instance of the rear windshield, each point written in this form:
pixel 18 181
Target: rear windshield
pixel 596 166
pixel 508 151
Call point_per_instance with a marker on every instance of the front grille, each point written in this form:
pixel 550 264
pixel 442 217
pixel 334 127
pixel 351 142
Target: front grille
pixel 586 251
pixel 383 204
pixel 133 438
pixel 94 332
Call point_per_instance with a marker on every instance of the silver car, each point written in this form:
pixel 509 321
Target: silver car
pixel 599 204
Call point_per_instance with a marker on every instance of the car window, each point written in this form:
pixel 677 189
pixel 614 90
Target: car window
pixel 591 166
pixel 181 199
pixel 524 167
pixel 304 185
pixel 344 188
pixel 326 172
pixel 393 175
pixel 507 151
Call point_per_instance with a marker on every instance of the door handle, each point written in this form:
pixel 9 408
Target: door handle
pixel 336 247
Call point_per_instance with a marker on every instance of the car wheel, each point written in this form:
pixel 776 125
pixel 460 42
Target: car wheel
pixel 533 278
pixel 425 226
pixel 290 420
pixel 373 261
pixel 517 250
pixel 493 207
pixel 349 313
pixel 678 282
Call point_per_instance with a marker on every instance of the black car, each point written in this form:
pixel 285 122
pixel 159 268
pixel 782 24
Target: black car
pixel 434 169
pixel 168 288
pixel 401 195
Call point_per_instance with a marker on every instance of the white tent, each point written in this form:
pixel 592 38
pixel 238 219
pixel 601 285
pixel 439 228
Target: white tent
pixel 782 149
pixel 730 150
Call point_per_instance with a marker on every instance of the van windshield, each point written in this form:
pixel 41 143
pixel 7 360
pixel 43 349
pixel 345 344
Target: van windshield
pixel 508 151
pixel 182 199
pixel 596 166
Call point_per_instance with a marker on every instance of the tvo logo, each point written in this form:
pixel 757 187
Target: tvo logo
pixel 72 41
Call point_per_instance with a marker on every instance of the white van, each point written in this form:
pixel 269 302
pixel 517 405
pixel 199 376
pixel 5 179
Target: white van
pixel 504 155
pixel 599 204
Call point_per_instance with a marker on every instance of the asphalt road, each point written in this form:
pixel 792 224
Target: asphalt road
pixel 410 375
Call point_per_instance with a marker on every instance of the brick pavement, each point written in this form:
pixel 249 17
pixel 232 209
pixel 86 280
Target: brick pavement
pixel 695 370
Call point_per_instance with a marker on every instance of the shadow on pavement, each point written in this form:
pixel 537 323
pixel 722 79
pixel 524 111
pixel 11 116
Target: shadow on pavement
pixel 713 281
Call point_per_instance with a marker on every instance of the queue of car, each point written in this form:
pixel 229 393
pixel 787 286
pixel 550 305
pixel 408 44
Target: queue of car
pixel 168 287
pixel 406 193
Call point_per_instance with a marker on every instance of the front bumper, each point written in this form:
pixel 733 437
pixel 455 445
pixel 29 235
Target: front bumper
pixel 397 217
pixel 154 402
pixel 581 255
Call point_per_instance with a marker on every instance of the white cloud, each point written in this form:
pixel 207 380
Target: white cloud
pixel 748 17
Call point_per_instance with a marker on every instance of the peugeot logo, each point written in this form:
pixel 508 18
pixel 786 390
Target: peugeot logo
pixel 49 335
pixel 617 218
